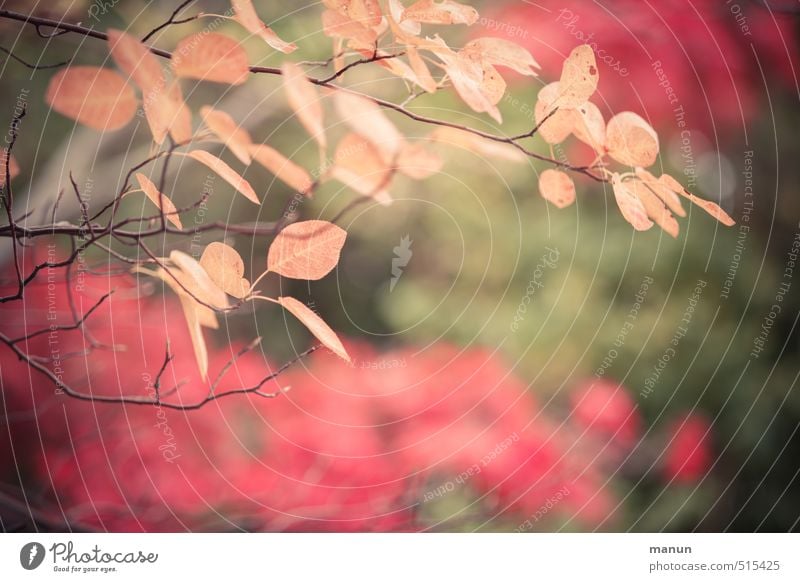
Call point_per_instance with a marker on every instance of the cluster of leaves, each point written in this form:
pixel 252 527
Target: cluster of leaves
pixel 374 151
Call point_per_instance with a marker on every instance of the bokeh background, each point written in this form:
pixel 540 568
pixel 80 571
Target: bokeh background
pixel 530 369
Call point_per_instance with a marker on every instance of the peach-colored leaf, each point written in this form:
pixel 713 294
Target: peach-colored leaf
pixel 230 133
pixel 306 250
pixel 315 325
pixel 477 83
pixel 418 162
pixel 654 207
pixel 556 127
pixel 590 127
pixel 629 204
pixel 443 12
pixel 366 12
pixel 667 194
pixel 557 187
pixel 135 58
pixel 225 268
pixel 210 56
pixel 395 16
pixel 710 207
pixel 226 173
pixel 304 100
pixel 163 203
pixel 630 140
pixel 98 98
pixel 166 112
pixel 337 25
pixel 359 164
pixel 579 77
pixel 368 120
pixel 197 281
pixel 422 74
pixel 13 167
pixel 282 167
pixel 475 143
pixel 246 16
pixel 504 53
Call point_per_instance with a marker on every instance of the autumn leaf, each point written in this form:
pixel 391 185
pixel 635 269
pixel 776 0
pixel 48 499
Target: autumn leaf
pixel 230 133
pixel 337 25
pixel 306 250
pixel 283 168
pixel 629 204
pixel 590 126
pixel 422 75
pixel 225 268
pixel 136 60
pixel 197 281
pixel 662 190
pixel 315 325
pixel 366 12
pixel 166 112
pixel 478 84
pixel 712 208
pixel 475 143
pixel 654 206
pixel 226 173
pixel 305 101
pixel 443 12
pixel 395 17
pixel 418 162
pixel 504 53
pixel 163 203
pixel 359 164
pixel 98 98
pixel 579 77
pixel 368 120
pixel 558 126
pixel 557 187
pixel 630 140
pixel 210 56
pixel 246 16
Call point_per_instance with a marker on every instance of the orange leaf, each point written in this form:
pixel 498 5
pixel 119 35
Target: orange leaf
pixel 306 250
pixel 630 140
pixel 337 25
pixel 196 280
pixel 475 143
pixel 282 167
pixel 304 101
pixel 666 193
pixel 232 135
pixel 557 187
pixel 366 12
pixel 444 12
pixel 418 162
pixel 226 173
pixel 98 98
pixel 710 207
pixel 163 203
pixel 360 165
pixel 166 112
pixel 422 75
pixel 315 325
pixel 579 77
pixel 478 84
pixel 225 268
pixel 556 127
pixel 135 58
pixel 368 120
pixel 504 53
pixel 654 207
pixel 246 16
pixel 210 56
pixel 590 127
pixel 630 206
